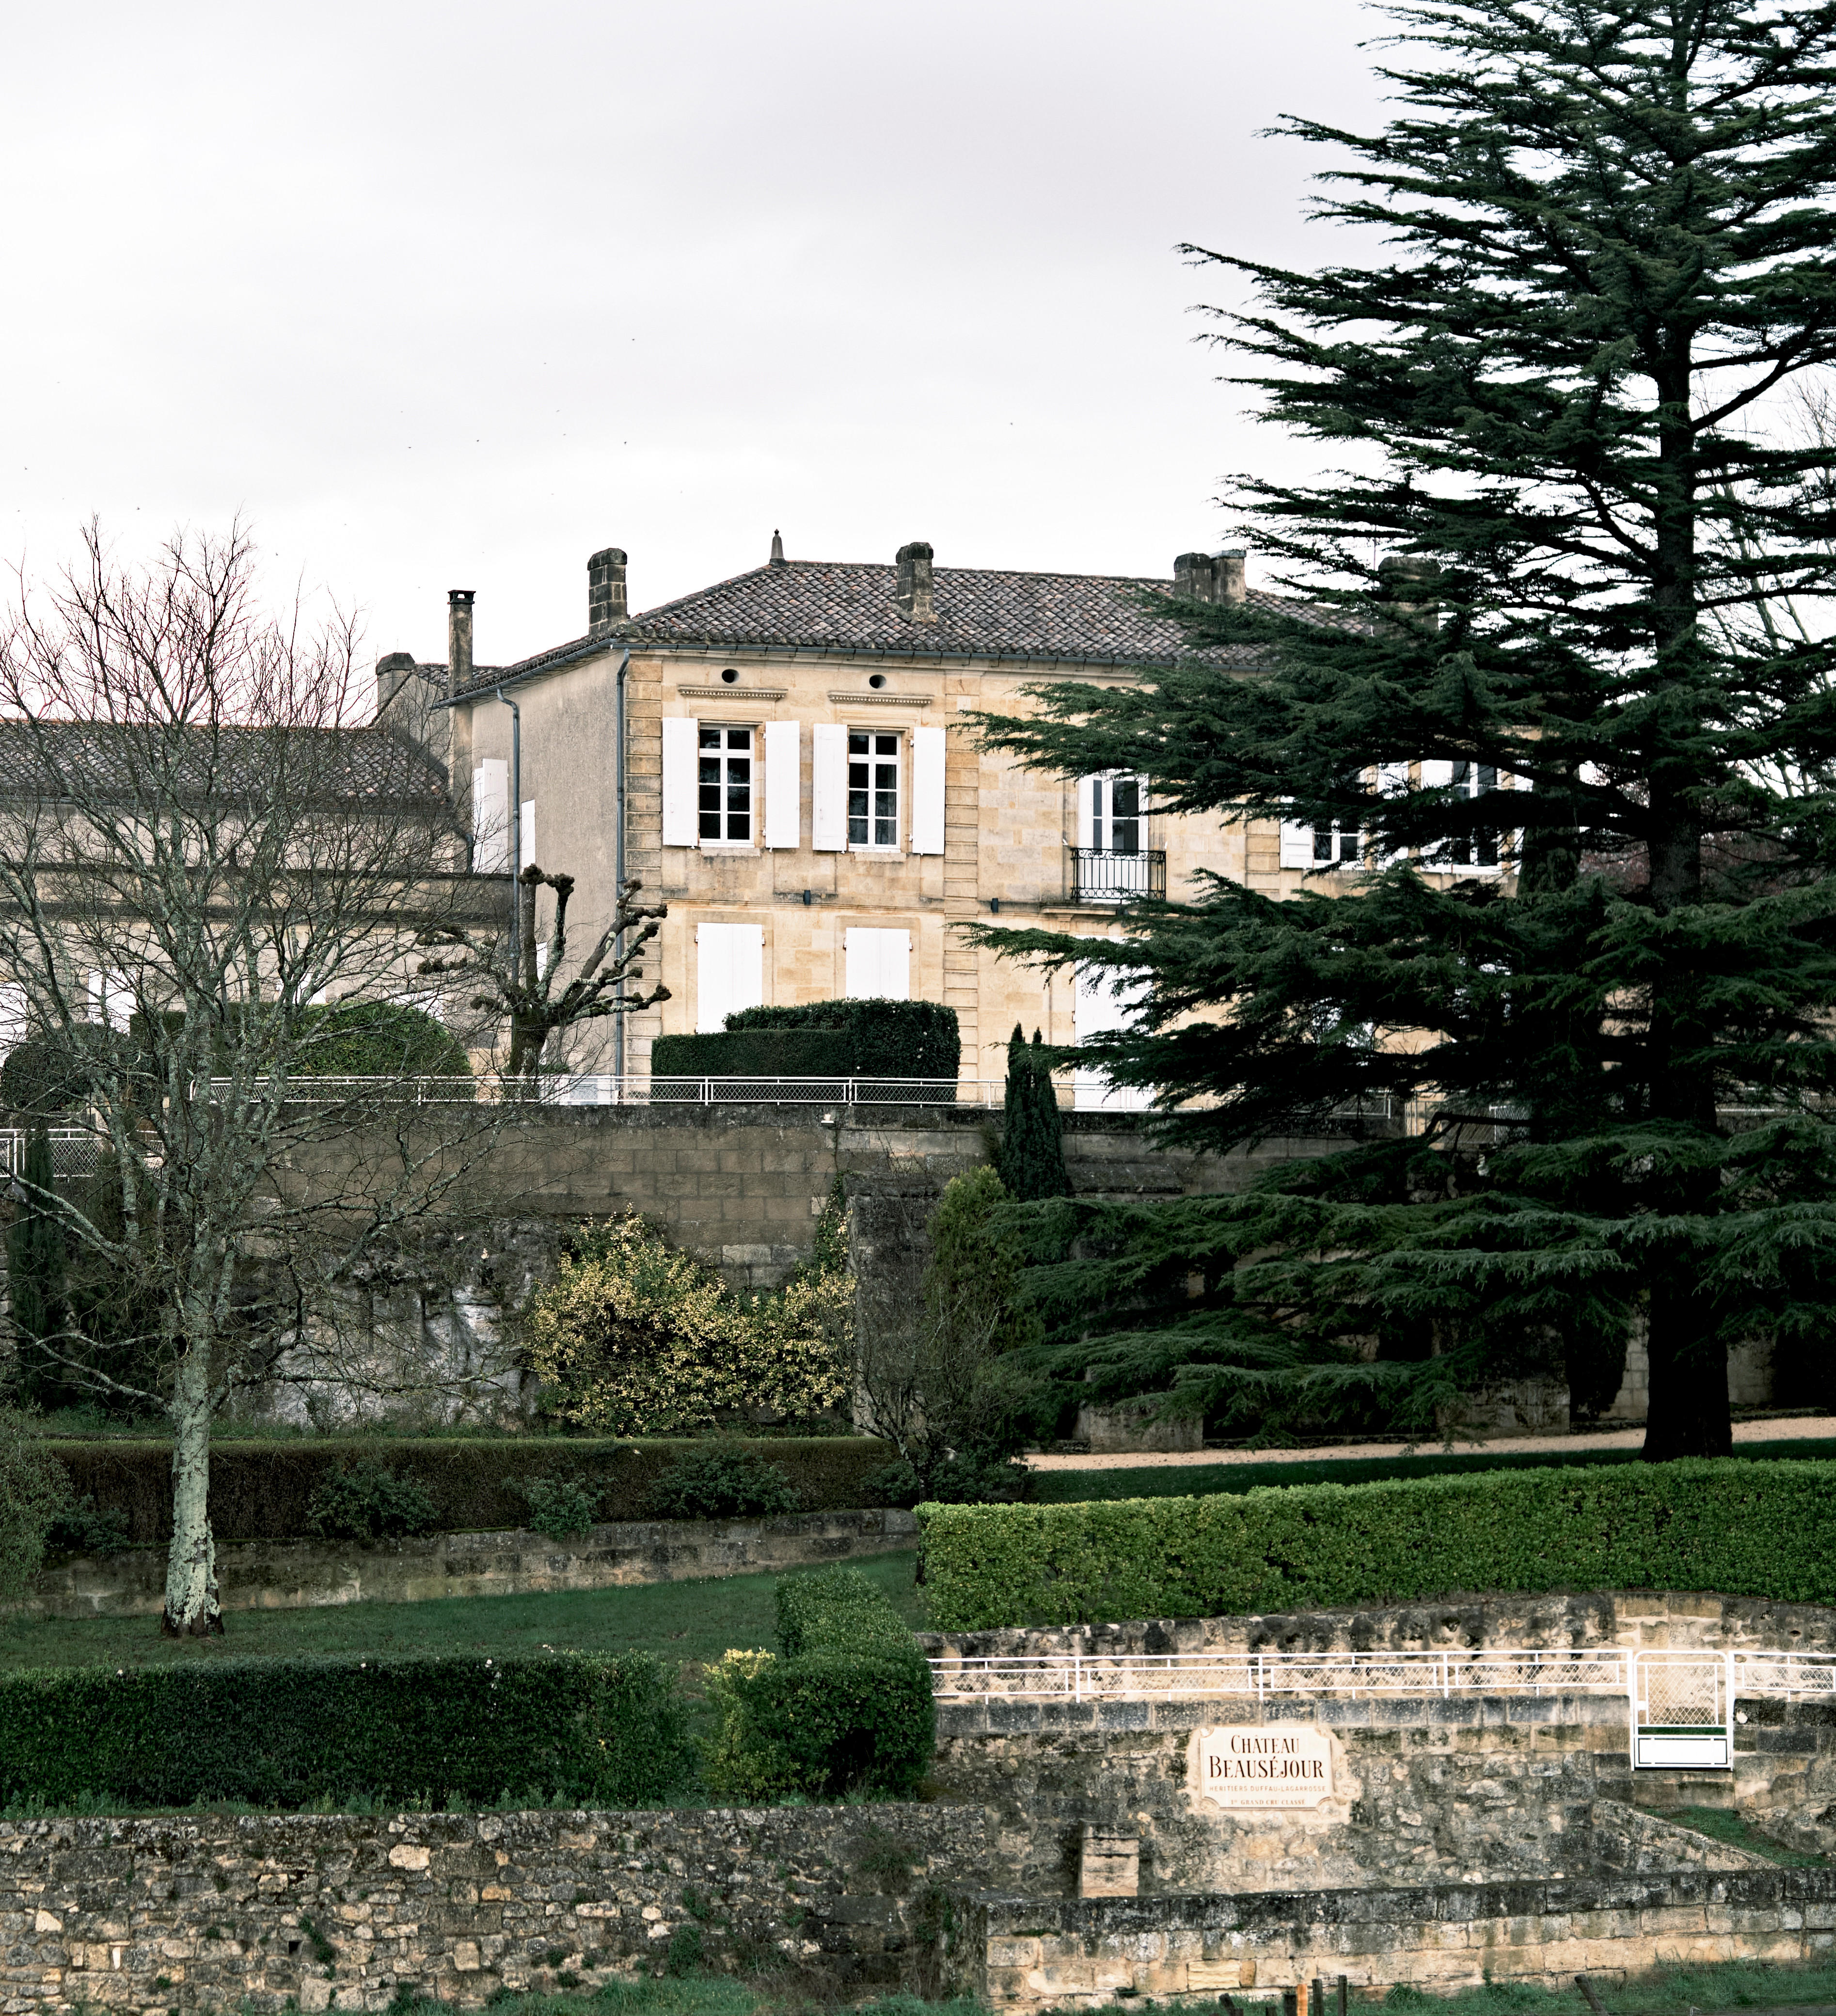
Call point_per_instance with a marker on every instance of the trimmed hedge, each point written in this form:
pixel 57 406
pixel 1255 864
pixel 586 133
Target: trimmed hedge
pixel 820 1039
pixel 264 1491
pixel 283 1733
pixel 847 1708
pixel 1738 1528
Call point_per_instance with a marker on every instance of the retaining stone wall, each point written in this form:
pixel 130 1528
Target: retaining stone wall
pixel 1036 1954
pixel 276 1575
pixel 212 1913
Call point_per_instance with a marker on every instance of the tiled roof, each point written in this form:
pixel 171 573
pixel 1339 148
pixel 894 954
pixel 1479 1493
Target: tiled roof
pixel 331 765
pixel 850 606
pixel 980 611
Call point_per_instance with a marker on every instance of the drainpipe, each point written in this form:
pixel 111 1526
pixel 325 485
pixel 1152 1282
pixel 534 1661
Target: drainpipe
pixel 515 830
pixel 618 868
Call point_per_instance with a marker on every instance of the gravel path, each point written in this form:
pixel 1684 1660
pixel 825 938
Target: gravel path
pixel 1805 1428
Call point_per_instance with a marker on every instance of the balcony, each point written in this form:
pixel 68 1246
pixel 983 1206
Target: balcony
pixel 1100 877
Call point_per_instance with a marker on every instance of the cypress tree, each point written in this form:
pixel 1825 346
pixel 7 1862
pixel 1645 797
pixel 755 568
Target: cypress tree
pixel 35 1263
pixel 1565 614
pixel 1031 1161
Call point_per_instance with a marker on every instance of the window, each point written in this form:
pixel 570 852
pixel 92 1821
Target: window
pixel 1320 847
pixel 724 785
pixel 1478 850
pixel 1101 1003
pixel 13 1021
pixel 873 788
pixel 1118 822
pixel 111 1000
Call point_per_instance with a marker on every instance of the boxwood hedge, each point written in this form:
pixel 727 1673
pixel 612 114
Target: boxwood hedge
pixel 1739 1528
pixel 846 1708
pixel 264 1490
pixel 285 1733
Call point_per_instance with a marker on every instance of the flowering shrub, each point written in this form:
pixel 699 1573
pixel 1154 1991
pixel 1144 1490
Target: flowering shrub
pixel 637 1338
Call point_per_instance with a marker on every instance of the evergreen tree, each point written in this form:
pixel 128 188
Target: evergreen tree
pixel 1031 1161
pixel 1567 614
pixel 35 1263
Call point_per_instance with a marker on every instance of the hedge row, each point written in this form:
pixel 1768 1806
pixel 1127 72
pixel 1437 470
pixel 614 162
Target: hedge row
pixel 1738 1528
pixel 260 1490
pixel 873 1039
pixel 284 1733
pixel 846 1708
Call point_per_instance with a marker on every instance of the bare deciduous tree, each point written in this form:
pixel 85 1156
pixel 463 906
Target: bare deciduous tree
pixel 531 993
pixel 197 842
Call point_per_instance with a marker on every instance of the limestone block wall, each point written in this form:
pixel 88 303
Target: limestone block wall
pixel 329 1912
pixel 1452 1791
pixel 1069 1952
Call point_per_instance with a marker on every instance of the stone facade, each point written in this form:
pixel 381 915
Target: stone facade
pixel 300 1574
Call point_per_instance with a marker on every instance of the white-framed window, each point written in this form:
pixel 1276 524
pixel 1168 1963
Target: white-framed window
pixel 1112 813
pixel 1317 847
pixel 111 1000
pixel 729 973
pixel 1478 852
pixel 724 812
pixel 873 787
pixel 879 964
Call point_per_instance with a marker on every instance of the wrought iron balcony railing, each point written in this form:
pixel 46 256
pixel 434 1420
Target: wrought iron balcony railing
pixel 1100 877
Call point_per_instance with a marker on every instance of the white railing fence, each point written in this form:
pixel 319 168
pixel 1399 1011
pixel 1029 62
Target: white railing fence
pixel 75 1151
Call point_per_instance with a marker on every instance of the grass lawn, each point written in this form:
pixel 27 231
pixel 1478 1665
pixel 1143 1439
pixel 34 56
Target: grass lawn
pixel 1202 1479
pixel 675 1620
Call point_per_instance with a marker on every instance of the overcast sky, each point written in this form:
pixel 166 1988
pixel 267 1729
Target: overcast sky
pixel 449 296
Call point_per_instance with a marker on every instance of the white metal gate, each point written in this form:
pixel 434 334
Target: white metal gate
pixel 1682 1704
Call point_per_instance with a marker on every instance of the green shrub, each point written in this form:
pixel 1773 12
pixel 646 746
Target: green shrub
pixel 33 1489
pixel 846 1706
pixel 968 1478
pixel 559 1507
pixel 723 1481
pixel 1031 1158
pixel 820 1039
pixel 281 1732
pixel 1739 1528
pixel 260 1490
pixel 83 1529
pixel 377 1039
pixel 367 1501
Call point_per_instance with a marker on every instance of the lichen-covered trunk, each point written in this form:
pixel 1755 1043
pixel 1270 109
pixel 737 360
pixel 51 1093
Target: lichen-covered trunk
pixel 192 1609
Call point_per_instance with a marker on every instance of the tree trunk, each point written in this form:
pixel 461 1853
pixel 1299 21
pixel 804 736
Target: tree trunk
pixel 1688 1414
pixel 192 1609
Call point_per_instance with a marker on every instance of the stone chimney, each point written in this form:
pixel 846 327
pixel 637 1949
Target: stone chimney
pixel 1209 576
pixel 605 588
pixel 1409 579
pixel 393 673
pixel 459 640
pixel 913 593
pixel 777 549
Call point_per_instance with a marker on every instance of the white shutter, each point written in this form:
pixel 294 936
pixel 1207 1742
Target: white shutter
pixel 1088 788
pixel 1437 773
pixel 784 783
pixel 927 790
pixel 681 827
pixel 1297 844
pixel 526 837
pixel 729 973
pixel 828 788
pixel 491 816
pixel 1097 1007
pixel 879 965
pixel 111 998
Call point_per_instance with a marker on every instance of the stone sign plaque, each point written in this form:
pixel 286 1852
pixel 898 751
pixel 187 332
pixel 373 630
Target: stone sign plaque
pixel 1284 1766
